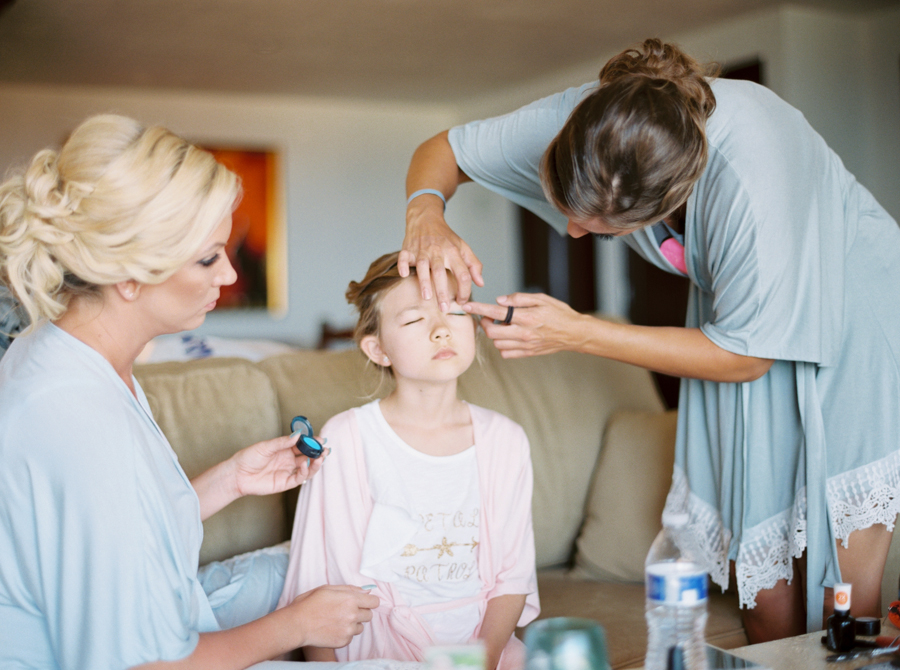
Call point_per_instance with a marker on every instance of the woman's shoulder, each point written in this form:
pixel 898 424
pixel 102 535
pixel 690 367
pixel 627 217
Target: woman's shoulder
pixel 750 118
pixel 517 138
pixel 55 406
pixel 41 374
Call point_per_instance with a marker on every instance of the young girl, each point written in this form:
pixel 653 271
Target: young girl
pixel 424 495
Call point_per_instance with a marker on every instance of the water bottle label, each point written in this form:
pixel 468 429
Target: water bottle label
pixel 670 584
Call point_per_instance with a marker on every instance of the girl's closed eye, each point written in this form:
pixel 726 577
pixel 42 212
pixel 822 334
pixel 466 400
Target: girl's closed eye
pixel 206 262
pixel 409 323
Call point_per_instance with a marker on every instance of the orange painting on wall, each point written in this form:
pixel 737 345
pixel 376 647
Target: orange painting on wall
pixel 256 246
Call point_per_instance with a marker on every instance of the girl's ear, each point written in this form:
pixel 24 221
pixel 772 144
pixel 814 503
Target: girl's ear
pixel 371 347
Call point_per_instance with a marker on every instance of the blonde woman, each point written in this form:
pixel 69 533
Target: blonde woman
pixel 114 240
pixel 788 447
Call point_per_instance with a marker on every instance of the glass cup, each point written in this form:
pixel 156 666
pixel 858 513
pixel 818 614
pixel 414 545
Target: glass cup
pixel 565 643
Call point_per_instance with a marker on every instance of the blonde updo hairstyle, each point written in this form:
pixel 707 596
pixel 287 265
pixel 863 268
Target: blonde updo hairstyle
pixel 118 202
pixel 631 151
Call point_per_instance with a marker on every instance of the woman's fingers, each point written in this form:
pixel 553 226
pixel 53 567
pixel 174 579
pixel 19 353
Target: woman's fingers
pixel 435 250
pixel 405 259
pixel 486 310
pixel 528 324
pixel 521 303
pixel 466 269
pixel 332 615
pixel 423 274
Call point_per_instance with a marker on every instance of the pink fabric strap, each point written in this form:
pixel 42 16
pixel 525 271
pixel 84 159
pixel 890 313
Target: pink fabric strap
pixel 673 250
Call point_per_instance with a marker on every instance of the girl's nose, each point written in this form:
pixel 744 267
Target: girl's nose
pixel 440 331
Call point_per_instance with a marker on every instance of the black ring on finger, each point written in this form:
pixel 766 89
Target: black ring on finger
pixel 509 315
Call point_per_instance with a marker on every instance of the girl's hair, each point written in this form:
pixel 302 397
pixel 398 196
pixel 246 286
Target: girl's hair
pixel 366 295
pixel 118 202
pixel 631 151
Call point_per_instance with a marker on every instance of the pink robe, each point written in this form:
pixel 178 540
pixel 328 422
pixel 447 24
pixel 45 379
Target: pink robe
pixel 333 514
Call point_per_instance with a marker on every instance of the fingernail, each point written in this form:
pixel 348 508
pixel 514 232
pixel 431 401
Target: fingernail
pixel 367 587
pixel 307 461
pixel 444 306
pixel 323 441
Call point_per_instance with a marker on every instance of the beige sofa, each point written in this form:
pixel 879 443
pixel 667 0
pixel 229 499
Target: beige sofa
pixel 601 444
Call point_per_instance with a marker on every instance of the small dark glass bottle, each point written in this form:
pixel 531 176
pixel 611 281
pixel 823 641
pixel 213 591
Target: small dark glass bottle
pixel 840 628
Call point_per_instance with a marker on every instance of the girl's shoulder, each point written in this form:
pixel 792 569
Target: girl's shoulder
pixel 348 422
pixel 340 422
pixel 490 424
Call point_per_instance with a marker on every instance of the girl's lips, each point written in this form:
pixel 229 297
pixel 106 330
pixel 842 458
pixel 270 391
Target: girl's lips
pixel 444 354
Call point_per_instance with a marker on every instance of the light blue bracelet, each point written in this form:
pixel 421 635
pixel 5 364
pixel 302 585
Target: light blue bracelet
pixel 423 191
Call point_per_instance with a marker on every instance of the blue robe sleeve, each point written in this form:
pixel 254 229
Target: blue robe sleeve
pixel 504 153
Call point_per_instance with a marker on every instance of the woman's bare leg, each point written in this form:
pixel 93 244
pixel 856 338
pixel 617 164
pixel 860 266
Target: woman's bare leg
pixel 862 565
pixel 780 611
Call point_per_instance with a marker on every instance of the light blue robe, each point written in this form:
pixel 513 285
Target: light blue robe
pixel 100 528
pixel 789 258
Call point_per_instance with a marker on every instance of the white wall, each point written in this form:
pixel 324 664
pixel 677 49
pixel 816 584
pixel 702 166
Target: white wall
pixel 841 70
pixel 880 171
pixel 345 162
pixel 344 168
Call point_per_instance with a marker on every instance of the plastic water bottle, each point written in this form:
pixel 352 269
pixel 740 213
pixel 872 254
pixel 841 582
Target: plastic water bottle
pixel 676 598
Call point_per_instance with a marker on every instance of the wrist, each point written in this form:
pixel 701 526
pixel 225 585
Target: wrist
pixel 287 632
pixel 231 478
pixel 424 204
pixel 583 336
pixel 424 211
pixel 427 192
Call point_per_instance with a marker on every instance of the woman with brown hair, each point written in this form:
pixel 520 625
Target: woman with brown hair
pixel 787 454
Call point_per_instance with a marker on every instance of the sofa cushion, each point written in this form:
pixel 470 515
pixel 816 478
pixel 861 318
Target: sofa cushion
pixel 208 410
pixel 620 610
pixel 628 492
pixel 320 384
pixel 563 402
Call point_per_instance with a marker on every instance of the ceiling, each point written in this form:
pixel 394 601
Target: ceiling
pixel 412 50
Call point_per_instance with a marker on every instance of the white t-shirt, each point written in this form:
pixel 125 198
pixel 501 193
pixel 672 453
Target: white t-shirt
pixel 439 563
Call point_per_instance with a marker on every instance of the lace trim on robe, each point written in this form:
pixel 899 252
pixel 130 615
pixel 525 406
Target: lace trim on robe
pixel 857 499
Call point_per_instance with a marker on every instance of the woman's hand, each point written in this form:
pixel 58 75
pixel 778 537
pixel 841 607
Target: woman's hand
pixel 272 466
pixel 540 325
pixel 266 467
pixel 430 245
pixel 329 616
pixel 544 325
pixel 433 248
